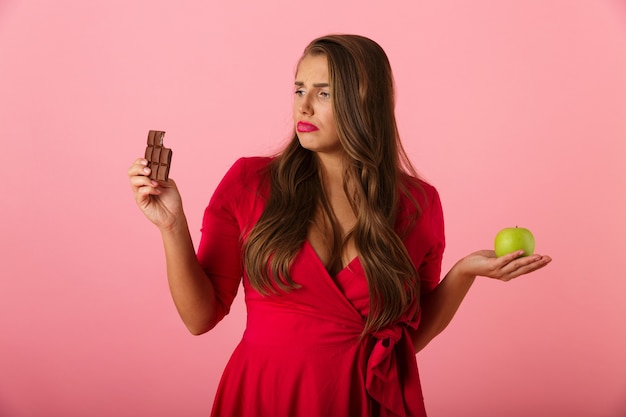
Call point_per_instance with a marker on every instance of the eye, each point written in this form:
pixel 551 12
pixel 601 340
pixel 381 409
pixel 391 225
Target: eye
pixel 299 92
pixel 325 94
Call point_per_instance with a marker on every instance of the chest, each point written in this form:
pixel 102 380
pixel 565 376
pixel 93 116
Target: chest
pixel 330 244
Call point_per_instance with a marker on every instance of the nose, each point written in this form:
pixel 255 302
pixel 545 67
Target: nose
pixel 305 105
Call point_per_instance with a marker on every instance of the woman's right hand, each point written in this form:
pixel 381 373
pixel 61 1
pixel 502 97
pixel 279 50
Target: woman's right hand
pixel 160 201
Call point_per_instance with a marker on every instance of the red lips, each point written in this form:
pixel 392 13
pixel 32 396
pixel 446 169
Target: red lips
pixel 306 127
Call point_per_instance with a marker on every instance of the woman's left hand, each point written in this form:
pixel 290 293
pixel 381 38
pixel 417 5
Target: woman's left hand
pixel 506 267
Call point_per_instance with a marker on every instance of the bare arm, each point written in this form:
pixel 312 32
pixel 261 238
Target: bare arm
pixel 191 289
pixel 440 306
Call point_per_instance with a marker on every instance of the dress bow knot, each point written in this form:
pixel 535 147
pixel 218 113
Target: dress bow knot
pixel 383 378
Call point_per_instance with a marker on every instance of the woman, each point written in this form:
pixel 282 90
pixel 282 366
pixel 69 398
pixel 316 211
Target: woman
pixel 339 245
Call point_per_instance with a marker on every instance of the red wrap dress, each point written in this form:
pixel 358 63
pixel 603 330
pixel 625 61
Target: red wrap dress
pixel 300 354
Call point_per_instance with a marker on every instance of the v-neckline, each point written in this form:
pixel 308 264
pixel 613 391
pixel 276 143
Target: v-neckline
pixel 347 267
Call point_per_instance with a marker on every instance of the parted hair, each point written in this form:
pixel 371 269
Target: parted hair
pixel 376 171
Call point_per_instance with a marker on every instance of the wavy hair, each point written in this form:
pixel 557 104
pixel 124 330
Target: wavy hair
pixel 376 169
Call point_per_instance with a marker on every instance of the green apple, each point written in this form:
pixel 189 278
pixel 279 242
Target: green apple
pixel 513 239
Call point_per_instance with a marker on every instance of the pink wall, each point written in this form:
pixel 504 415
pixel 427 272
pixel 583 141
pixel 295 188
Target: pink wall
pixel 515 110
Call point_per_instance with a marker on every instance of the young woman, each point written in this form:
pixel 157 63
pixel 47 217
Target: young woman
pixel 339 245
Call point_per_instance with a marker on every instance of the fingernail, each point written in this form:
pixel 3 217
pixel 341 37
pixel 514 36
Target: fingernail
pixel 146 170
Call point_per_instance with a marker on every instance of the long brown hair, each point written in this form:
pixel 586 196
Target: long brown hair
pixel 375 171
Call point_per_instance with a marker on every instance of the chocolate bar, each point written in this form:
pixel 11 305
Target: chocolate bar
pixel 159 157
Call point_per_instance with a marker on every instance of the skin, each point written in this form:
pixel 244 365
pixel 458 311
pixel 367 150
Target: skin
pixel 193 293
pixel 313 104
pixel 440 306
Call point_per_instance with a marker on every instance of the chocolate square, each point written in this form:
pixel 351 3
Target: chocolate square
pixel 159 157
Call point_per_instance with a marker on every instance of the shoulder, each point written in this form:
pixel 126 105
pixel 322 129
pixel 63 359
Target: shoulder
pixel 419 208
pixel 420 191
pixel 246 173
pixel 244 177
pixel 250 166
pixel 421 226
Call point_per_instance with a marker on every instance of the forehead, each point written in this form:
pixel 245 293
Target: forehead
pixel 313 68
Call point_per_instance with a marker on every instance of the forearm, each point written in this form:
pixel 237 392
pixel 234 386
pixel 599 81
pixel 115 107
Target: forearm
pixel 192 291
pixel 440 306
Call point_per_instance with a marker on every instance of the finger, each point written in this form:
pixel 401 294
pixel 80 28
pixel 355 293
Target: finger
pixel 138 167
pixel 526 266
pixel 148 189
pixel 142 181
pixel 504 260
pixel 519 263
pixel 144 194
pixel 167 184
pixel 539 263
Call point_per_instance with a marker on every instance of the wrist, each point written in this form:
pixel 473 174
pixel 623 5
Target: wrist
pixel 177 226
pixel 462 270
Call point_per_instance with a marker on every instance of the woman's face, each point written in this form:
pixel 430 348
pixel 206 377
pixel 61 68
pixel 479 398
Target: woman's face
pixel 312 107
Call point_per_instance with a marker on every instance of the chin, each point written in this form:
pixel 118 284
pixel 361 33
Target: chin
pixel 307 144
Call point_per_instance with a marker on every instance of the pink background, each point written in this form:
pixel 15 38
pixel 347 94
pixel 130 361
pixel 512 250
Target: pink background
pixel 515 110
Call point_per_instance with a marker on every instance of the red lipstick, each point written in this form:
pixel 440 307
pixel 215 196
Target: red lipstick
pixel 306 127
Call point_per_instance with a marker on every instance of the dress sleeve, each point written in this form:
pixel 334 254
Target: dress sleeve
pixel 219 251
pixel 430 268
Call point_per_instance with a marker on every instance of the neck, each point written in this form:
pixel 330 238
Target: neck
pixel 331 168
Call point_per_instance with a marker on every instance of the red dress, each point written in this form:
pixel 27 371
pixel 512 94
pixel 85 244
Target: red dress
pixel 300 355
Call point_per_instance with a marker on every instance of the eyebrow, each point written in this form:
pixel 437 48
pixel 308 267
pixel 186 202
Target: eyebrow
pixel 316 85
